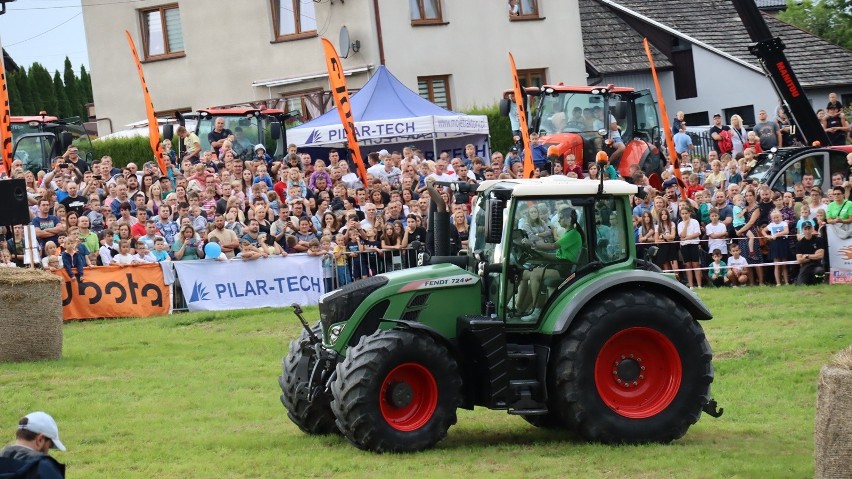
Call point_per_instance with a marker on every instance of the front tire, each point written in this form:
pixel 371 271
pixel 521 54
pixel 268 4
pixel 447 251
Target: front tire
pixel 396 391
pixel 315 416
pixel 635 368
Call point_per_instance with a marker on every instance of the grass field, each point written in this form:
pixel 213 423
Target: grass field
pixel 196 395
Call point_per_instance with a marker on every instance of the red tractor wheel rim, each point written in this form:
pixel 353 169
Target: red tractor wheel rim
pixel 638 372
pixel 408 397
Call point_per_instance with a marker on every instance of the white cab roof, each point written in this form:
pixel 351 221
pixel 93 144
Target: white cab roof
pixel 558 185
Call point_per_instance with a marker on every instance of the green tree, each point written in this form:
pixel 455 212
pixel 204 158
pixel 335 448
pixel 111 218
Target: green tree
pixel 828 19
pixel 86 86
pixel 45 88
pixel 64 108
pixel 16 103
pixel 34 91
pixel 23 85
pixel 72 90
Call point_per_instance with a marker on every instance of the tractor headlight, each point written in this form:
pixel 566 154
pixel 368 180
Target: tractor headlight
pixel 336 306
pixel 334 332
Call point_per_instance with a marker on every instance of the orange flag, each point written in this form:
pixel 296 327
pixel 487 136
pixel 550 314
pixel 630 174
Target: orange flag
pixel 341 100
pixel 668 131
pixel 153 127
pixel 522 119
pixel 5 123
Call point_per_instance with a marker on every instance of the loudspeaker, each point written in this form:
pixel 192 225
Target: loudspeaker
pixel 14 207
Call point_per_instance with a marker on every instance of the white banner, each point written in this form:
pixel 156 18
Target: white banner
pixel 236 284
pixel 840 257
pixel 422 127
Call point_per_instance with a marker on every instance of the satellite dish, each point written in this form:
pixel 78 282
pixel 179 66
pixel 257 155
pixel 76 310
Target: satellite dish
pixel 345 44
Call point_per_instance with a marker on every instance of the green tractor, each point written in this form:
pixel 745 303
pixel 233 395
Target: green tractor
pixel 550 316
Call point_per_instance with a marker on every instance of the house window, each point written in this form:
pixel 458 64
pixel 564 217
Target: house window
pixel 436 89
pixel 425 12
pixel 294 19
pixel 532 78
pixel 745 112
pixel 523 9
pixel 162 35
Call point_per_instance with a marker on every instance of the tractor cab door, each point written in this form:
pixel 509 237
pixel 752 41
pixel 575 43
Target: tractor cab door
pixel 644 123
pixel 548 241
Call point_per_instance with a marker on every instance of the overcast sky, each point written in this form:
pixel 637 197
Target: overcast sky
pixel 45 31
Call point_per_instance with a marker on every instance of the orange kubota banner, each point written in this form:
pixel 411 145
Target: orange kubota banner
pixel 153 126
pixel 341 100
pixel 520 96
pixel 667 129
pixel 115 292
pixel 5 123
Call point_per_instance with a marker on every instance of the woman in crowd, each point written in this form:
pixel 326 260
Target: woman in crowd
pixel 665 238
pixel 329 224
pixel 187 245
pixel 740 135
pixel 646 234
pixel 155 192
pixel 689 232
pixel 752 215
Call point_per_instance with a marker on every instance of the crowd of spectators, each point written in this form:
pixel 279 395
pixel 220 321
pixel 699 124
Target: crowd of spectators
pixel 710 229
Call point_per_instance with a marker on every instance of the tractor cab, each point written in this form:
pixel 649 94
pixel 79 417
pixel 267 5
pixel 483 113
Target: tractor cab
pixel 250 126
pixel 784 168
pixel 37 140
pixel 536 239
pixel 572 118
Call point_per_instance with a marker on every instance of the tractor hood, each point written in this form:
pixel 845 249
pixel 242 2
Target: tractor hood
pixel 430 277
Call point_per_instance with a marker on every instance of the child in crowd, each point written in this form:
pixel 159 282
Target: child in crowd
pixel 266 248
pixel 373 245
pixel 6 259
pixel 142 255
pixel 161 250
pixel 123 258
pixel 694 186
pixel 734 177
pixel 703 199
pixel 108 247
pixel 73 259
pixel 50 254
pixel 717 232
pixel 718 271
pixel 354 249
pixel 737 265
pixel 339 253
pixel 689 231
pixel 804 217
pixel 779 250
pixel 739 211
pixel 327 262
pixel 249 252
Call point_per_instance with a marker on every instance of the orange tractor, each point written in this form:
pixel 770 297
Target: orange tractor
pixel 572 118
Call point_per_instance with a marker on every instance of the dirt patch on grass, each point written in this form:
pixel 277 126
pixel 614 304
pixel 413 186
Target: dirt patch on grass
pixel 735 354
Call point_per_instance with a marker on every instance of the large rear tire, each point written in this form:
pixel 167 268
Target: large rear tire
pixel 312 417
pixel 396 391
pixel 634 368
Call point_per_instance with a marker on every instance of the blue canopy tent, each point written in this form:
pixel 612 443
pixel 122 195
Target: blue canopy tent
pixel 386 112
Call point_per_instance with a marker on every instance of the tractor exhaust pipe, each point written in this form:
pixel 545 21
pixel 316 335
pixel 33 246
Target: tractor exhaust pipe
pixel 439 220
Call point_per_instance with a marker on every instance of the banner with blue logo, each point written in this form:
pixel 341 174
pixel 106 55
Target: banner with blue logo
pixel 236 284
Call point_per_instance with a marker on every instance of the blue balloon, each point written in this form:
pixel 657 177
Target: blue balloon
pixel 212 250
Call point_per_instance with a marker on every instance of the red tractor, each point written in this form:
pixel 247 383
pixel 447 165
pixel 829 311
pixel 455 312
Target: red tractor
pixel 572 119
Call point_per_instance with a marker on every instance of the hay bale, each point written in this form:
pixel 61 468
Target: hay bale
pixel 30 315
pixel 833 432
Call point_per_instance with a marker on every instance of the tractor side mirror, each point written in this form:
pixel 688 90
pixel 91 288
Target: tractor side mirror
pixel 275 130
pixel 494 220
pixel 65 140
pixel 505 107
pixel 168 131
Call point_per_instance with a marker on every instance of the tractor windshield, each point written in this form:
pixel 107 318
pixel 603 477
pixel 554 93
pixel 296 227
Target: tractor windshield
pixel 579 113
pixel 34 151
pixel 245 129
pixel 477 241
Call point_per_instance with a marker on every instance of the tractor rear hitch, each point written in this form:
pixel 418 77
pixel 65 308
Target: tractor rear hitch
pixel 297 310
pixel 710 409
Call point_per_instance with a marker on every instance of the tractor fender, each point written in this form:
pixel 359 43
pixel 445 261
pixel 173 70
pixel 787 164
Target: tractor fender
pixel 637 279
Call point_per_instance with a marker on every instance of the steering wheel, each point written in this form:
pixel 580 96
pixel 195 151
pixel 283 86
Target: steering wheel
pixel 523 247
pixel 575 126
pixel 642 135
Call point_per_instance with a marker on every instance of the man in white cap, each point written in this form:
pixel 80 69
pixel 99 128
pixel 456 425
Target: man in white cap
pixel 37 433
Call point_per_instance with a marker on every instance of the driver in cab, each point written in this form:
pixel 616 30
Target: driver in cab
pixel 565 250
